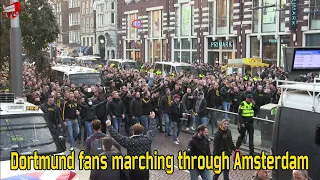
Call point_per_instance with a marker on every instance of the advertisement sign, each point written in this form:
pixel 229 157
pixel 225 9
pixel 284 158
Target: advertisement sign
pixel 252 60
pixel 221 44
pixel 12 11
pixel 293 14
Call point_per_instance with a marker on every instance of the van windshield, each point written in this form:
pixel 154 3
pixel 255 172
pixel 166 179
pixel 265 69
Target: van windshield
pixel 66 60
pixel 183 69
pixel 85 78
pixel 25 134
pixel 129 65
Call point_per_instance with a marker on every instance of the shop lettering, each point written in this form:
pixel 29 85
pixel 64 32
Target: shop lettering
pixel 271 41
pixel 221 44
pixel 294 15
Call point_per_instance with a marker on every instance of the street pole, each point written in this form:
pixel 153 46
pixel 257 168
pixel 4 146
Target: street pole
pixel 16 56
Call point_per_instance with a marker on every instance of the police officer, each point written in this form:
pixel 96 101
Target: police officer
pixel 246 112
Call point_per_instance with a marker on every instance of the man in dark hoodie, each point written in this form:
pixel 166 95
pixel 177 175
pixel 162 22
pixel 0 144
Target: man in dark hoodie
pixel 165 110
pixel 100 111
pixel 188 102
pixel 226 98
pixel 126 99
pixel 222 142
pixel 199 146
pixel 201 110
pixel 135 108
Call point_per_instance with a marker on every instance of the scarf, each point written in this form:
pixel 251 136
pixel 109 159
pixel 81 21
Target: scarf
pixel 169 100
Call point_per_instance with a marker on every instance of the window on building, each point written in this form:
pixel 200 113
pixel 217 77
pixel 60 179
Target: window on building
pixel 87 7
pixel 221 17
pixel 102 20
pixel 112 5
pixel 185 50
pixel 177 27
pixel 156 50
pixel 156 23
pixel 112 18
pixel 70 3
pixel 269 17
pixel 256 16
pixel 92 42
pixel 192 20
pixel 164 50
pixel 211 11
pixel 91 6
pixel 185 19
pixel 88 42
pixel 231 8
pixel 254 47
pixel 282 14
pixel 132 32
pixel 70 36
pixel 83 41
pixel 70 19
pixel 315 14
pixel 133 50
pixel 269 48
pixel 149 23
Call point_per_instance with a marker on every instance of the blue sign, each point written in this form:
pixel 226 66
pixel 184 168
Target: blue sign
pixel 294 14
pixel 221 44
pixel 136 24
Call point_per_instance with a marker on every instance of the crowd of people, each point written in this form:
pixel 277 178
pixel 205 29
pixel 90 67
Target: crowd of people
pixel 141 103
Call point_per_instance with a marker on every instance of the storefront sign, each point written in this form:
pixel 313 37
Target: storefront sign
pixel 294 14
pixel 271 41
pixel 221 44
pixel 252 60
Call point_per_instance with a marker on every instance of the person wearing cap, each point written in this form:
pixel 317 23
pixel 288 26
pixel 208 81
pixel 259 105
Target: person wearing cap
pixel 246 112
pixel 178 111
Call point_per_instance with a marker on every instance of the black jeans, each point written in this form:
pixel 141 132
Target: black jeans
pixel 248 127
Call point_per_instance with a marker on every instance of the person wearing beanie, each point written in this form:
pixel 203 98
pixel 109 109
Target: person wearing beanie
pixel 222 142
pixel 200 110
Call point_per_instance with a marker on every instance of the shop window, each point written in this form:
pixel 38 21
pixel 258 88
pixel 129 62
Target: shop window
pixel 176 44
pixel 269 17
pixel 176 56
pixel 156 50
pixel 254 47
pixel 185 56
pixel 194 43
pixel 315 14
pixel 156 23
pixel 185 44
pixel 312 40
pixel 150 51
pixel 222 17
pixel 256 16
pixel 269 48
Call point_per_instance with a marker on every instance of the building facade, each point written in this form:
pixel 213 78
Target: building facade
pixel 61 11
pixel 212 31
pixel 106 28
pixel 74 23
pixel 87 31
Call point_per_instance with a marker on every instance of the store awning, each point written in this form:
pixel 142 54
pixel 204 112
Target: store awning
pixel 235 65
pixel 257 64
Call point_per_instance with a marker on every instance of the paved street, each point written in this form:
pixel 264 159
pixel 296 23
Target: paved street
pixel 165 146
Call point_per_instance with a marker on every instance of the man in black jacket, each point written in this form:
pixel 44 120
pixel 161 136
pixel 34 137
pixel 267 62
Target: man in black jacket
pixel 136 145
pixel 199 146
pixel 222 142
pixel 117 111
pixel 126 99
pixel 52 114
pixel 226 98
pixel 101 111
pixel 178 111
pixel 135 108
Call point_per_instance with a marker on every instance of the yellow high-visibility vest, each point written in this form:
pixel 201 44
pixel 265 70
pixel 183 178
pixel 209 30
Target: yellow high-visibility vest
pixel 247 109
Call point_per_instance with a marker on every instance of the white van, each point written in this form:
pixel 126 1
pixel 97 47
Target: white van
pixel 24 129
pixel 174 67
pixel 122 63
pixel 87 59
pixel 65 59
pixel 76 74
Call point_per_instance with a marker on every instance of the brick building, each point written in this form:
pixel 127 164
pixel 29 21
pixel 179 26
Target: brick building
pixel 74 23
pixel 213 31
pixel 61 11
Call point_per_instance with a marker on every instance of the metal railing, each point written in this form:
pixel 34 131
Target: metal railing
pixel 263 128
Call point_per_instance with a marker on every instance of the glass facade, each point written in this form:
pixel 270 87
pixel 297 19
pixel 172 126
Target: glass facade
pixel 211 12
pixel 185 50
pixel 132 50
pixel 186 20
pixel 254 47
pixel 231 6
pixel 269 48
pixel 282 18
pixel 221 17
pixel 132 32
pixel 314 14
pixel 269 17
pixel 256 16
pixel 220 50
pixel 284 42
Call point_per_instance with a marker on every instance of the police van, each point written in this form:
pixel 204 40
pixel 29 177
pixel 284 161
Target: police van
pixel 76 75
pixel 297 121
pixel 174 67
pixel 24 129
pixel 122 63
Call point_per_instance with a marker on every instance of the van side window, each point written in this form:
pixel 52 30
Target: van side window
pixel 317 140
pixel 158 67
pixel 167 68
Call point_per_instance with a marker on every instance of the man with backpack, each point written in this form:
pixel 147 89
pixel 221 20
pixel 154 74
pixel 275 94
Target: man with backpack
pixel 94 142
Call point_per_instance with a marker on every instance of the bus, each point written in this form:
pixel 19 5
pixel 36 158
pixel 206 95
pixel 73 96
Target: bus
pixel 174 67
pixel 76 75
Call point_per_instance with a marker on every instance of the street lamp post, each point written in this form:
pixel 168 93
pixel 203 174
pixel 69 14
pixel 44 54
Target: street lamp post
pixel 16 56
